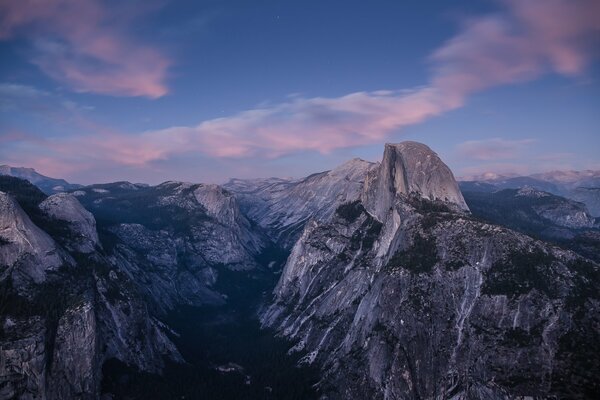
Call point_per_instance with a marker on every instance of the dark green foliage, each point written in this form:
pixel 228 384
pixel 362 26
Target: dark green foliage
pixel 517 212
pixel 108 239
pixel 576 364
pixel 29 197
pixel 272 253
pixel 434 212
pixel 140 205
pixel 213 336
pixel 425 206
pixel 431 219
pixel 10 301
pixel 371 233
pixel 519 272
pixel 350 211
pixel 366 235
pixel 586 282
pixel 453 265
pixel 518 337
pixel 421 257
pixel 586 243
pixel 420 299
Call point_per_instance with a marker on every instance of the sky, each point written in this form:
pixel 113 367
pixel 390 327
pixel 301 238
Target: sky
pixel 202 91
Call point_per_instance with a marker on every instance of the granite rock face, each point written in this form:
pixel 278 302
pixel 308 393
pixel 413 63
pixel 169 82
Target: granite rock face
pixel 27 252
pixel 70 301
pixel 282 207
pixel 410 168
pixel 392 287
pixel 174 239
pixel 590 196
pixel 403 295
pixel 64 311
pixel 65 207
pixel 567 213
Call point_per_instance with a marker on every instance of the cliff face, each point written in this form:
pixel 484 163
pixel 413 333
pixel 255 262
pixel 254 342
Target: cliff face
pixel 66 208
pixel 65 310
pixel 27 252
pixel 410 168
pixel 175 239
pixel 282 207
pixel 392 287
pixel 72 298
pixel 402 294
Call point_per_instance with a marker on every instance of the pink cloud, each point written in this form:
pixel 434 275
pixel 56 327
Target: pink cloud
pixel 78 42
pixel 528 39
pixel 517 45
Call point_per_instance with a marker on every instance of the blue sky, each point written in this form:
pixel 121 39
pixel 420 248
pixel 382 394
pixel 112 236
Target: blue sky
pixel 97 91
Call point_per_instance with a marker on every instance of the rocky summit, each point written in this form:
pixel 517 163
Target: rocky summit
pixel 369 281
pixel 403 294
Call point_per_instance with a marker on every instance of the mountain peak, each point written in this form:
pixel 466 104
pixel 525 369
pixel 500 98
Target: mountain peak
pixel 407 168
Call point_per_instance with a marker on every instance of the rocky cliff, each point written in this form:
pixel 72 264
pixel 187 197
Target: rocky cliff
pixel 282 207
pixel 65 307
pixel 392 288
pixel 403 295
pixel 410 168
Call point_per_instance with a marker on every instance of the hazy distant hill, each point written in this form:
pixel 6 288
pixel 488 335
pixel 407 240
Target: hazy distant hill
pixel 46 184
pixel 582 186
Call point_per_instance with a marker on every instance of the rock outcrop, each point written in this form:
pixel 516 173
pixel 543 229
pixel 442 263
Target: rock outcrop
pixel 403 295
pixel 26 252
pixel 582 186
pixel 65 207
pixel 283 206
pixel 410 168
pixel 65 310
pixel 393 288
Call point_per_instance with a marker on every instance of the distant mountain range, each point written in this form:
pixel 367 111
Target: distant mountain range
pixel 370 281
pixel 46 184
pixel 582 186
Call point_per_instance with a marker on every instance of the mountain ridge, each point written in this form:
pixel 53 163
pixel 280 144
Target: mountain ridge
pixel 389 269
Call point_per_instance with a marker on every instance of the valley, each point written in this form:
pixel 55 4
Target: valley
pixel 372 280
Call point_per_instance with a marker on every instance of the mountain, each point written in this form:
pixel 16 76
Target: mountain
pixel 176 237
pixel 539 214
pixel 582 186
pixel 282 207
pixel 572 178
pixel 402 293
pixel 65 307
pixel 46 184
pixel 126 290
pixel 385 280
pixel 590 196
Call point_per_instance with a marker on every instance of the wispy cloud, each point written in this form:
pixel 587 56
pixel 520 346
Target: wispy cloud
pixel 492 149
pixel 526 40
pixel 85 45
